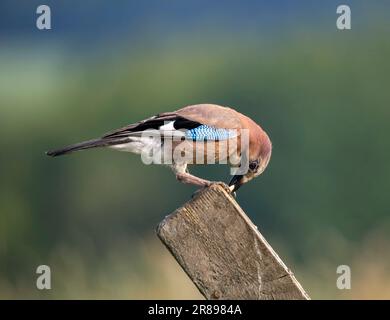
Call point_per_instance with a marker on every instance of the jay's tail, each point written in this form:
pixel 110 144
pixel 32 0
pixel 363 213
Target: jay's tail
pixel 95 143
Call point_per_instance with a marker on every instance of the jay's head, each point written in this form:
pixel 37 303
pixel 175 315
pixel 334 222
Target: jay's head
pixel 259 157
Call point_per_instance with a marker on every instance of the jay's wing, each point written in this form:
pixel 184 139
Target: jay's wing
pixel 210 120
pixel 196 123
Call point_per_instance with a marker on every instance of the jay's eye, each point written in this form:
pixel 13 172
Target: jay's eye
pixel 253 165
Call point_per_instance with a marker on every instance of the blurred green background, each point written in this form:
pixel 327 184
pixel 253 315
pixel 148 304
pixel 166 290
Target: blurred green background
pixel 322 95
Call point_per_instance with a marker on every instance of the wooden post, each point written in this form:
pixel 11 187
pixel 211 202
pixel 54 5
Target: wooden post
pixel 222 251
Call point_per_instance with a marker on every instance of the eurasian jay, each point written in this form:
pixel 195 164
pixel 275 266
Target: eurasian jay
pixel 190 132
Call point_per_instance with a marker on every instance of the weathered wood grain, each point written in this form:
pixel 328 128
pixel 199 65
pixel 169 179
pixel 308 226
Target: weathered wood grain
pixel 222 251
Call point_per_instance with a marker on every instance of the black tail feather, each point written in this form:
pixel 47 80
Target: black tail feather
pixel 95 143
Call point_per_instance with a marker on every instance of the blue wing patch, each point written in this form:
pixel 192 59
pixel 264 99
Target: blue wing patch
pixel 206 133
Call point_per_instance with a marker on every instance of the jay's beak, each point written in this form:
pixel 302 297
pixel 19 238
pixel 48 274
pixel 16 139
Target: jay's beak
pixel 236 182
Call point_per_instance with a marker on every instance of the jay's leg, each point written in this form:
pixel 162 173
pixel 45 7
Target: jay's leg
pixel 186 177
